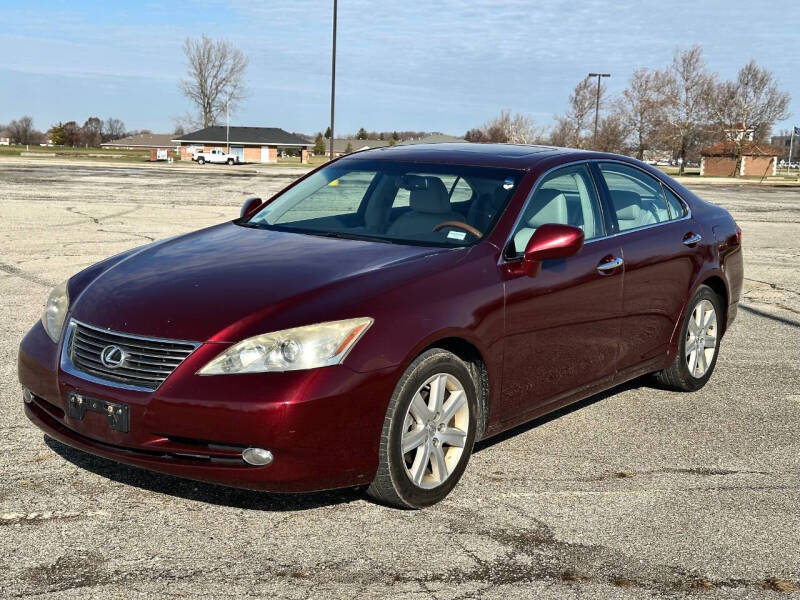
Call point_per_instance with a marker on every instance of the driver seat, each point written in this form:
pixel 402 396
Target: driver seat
pixel 429 207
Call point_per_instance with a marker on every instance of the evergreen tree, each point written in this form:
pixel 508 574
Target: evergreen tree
pixel 319 145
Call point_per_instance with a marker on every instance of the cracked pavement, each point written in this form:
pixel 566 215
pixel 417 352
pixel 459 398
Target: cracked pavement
pixel 635 493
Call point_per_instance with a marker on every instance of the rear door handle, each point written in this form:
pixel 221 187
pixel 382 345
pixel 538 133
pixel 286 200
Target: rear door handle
pixel 609 265
pixel 691 239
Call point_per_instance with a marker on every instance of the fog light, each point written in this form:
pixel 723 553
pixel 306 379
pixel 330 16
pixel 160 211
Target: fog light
pixel 27 396
pixel 257 456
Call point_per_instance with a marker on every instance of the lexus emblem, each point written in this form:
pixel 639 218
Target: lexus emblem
pixel 112 356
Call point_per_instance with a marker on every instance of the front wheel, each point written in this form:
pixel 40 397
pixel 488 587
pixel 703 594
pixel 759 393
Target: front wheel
pixel 699 344
pixel 201 160
pixel 428 432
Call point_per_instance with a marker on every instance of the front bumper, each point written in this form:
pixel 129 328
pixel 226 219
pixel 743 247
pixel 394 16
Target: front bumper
pixel 323 426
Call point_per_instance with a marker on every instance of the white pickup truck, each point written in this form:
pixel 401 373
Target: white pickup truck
pixel 215 156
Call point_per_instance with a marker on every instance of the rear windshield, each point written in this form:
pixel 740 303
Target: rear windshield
pixel 415 203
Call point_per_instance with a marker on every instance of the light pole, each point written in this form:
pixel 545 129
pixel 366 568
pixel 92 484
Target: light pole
pixel 597 103
pixel 333 76
pixel 228 126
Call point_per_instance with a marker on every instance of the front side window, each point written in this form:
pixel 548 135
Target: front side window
pixel 636 197
pixel 393 202
pixel 566 197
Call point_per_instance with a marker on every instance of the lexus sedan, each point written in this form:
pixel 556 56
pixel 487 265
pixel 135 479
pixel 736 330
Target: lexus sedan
pixel 370 322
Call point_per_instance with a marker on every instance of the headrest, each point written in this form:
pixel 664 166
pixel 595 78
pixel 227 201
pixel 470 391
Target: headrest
pixel 626 204
pixel 550 206
pixel 433 198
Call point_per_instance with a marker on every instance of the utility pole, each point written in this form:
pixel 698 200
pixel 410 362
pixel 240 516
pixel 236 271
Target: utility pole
pixel 597 103
pixel 333 76
pixel 228 126
pixel 791 147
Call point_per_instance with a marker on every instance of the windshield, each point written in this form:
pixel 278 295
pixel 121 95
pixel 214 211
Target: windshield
pixel 415 203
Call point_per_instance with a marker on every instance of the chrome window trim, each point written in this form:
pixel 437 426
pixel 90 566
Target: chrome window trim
pixel 589 161
pixel 68 367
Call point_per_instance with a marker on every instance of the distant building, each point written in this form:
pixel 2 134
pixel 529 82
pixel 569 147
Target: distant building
pixel 341 145
pixel 5 138
pixel 160 145
pixel 251 144
pixel 435 138
pixel 758 160
pixel 143 141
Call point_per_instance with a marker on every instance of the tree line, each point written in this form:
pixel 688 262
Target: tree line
pixel 680 109
pixel 92 133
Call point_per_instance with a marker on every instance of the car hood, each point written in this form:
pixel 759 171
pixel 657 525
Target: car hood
pixel 198 286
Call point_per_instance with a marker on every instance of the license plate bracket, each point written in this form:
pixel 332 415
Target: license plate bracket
pixel 117 414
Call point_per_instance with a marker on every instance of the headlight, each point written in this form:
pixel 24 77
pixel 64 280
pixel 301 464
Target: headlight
pixel 306 347
pixel 55 311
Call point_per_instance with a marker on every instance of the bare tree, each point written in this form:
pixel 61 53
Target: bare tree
pixel 688 88
pixel 506 128
pixel 745 110
pixel 613 133
pixel 92 131
pixel 71 134
pixel 215 76
pixel 571 129
pixel 523 130
pixel 113 129
pixel 21 131
pixel 642 108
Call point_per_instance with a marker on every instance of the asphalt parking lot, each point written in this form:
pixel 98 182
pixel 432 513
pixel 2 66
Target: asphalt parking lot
pixel 636 493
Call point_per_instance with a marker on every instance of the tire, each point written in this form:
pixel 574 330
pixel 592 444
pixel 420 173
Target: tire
pixel 685 373
pixel 230 161
pixel 437 433
pixel 201 160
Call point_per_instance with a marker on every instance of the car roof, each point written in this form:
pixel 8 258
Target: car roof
pixel 515 156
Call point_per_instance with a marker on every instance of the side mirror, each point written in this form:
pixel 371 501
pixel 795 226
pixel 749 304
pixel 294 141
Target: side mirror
pixel 249 206
pixel 550 241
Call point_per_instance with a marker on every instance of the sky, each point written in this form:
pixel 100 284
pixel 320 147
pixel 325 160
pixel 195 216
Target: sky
pixel 445 66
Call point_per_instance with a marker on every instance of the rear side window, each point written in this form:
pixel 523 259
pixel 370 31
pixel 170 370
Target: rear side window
pixel 677 209
pixel 636 197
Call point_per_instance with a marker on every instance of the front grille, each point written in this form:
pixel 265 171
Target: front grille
pixel 147 361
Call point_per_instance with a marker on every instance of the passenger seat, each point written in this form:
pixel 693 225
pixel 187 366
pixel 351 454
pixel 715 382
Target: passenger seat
pixel 429 207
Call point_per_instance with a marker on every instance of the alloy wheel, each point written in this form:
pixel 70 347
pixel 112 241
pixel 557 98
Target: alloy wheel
pixel 701 338
pixel 435 430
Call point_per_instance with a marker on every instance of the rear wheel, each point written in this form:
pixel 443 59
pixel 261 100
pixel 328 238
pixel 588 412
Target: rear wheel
pixel 428 432
pixel 699 344
pixel 230 161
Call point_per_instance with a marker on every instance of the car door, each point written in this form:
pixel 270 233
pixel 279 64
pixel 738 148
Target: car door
pixel 562 326
pixel 662 254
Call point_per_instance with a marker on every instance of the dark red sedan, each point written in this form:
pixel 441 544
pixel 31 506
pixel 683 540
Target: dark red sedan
pixel 369 323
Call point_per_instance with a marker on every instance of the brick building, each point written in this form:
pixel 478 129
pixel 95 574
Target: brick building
pixel 251 144
pixel 758 160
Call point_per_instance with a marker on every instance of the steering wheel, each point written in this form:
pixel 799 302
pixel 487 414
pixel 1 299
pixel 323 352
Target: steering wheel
pixel 459 225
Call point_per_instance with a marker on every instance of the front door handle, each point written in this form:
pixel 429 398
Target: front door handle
pixel 691 239
pixel 609 265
